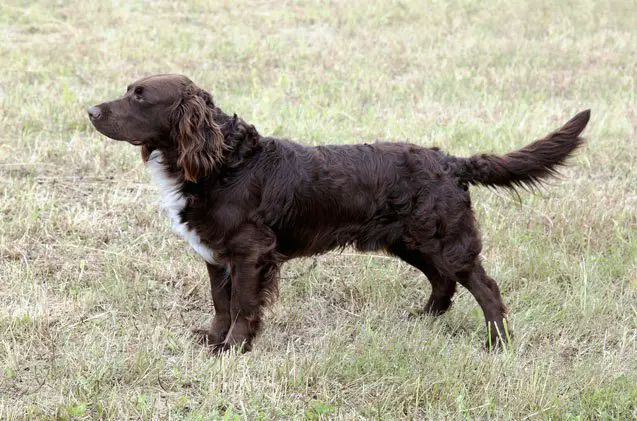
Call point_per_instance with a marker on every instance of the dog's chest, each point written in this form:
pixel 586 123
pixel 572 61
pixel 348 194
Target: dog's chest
pixel 173 203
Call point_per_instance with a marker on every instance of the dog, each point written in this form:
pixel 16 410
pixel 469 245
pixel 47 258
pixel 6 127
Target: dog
pixel 248 203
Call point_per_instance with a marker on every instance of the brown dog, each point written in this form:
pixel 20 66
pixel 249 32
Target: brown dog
pixel 248 203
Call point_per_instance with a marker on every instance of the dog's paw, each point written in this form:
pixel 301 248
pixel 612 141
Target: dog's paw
pixel 428 311
pixel 208 337
pixel 225 347
pixel 499 340
pixel 436 308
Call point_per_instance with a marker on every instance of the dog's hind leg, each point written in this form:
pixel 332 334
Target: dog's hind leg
pixel 459 258
pixel 486 291
pixel 442 287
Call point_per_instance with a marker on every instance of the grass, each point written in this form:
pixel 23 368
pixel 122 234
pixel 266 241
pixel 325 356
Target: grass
pixel 97 295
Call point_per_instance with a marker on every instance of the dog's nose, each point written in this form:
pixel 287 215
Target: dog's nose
pixel 94 112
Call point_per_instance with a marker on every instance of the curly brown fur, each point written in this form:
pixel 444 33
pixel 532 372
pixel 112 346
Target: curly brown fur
pixel 248 203
pixel 196 133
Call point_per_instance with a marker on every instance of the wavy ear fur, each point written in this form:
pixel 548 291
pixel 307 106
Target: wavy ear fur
pixel 199 140
pixel 242 139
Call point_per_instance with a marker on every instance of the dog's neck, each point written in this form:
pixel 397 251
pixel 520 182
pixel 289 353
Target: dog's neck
pixel 241 141
pixel 166 158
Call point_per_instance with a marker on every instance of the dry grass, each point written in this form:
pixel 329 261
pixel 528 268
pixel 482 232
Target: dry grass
pixel 97 296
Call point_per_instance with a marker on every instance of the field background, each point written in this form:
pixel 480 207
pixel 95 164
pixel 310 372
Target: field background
pixel 97 295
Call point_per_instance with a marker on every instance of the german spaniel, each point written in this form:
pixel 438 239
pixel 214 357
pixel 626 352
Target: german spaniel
pixel 248 203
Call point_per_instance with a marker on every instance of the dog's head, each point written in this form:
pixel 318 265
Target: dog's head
pixel 166 112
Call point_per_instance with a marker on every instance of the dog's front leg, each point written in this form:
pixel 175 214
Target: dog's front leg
pixel 220 289
pixel 245 306
pixel 254 272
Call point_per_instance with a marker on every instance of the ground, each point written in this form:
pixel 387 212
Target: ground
pixel 97 296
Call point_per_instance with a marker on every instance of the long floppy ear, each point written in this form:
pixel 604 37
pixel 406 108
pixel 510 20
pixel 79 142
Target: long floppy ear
pixel 199 139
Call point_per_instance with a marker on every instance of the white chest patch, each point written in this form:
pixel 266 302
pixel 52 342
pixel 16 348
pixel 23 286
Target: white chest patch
pixel 173 202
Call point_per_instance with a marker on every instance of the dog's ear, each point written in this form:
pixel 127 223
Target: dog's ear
pixel 198 138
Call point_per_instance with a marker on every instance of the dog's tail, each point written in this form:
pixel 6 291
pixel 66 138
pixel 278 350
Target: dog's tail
pixel 528 166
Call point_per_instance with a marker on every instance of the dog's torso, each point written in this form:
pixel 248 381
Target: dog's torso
pixel 313 199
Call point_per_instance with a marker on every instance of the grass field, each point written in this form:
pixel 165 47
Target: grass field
pixel 97 294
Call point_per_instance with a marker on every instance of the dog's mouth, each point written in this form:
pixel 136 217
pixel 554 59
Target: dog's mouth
pixel 112 131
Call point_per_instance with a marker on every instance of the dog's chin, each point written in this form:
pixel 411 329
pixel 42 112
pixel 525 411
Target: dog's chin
pixel 109 132
pixel 106 132
pixel 134 142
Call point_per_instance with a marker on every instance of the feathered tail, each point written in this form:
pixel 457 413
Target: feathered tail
pixel 528 166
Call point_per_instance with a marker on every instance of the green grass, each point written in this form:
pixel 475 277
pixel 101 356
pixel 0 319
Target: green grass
pixel 97 295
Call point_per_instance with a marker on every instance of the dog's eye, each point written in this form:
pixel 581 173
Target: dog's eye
pixel 139 90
